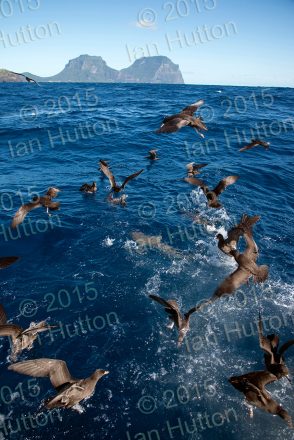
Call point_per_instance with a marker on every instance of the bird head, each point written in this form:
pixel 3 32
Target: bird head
pixel 99 373
pixel 53 192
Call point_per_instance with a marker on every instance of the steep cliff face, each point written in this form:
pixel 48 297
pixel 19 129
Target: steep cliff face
pixel 86 68
pixel 157 69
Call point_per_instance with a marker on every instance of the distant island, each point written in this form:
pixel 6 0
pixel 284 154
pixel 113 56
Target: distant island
pixel 86 68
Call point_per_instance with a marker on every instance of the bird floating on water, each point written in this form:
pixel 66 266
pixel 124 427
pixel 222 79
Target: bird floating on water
pixel 114 186
pixel 21 339
pixel 70 391
pixel 252 385
pixel 88 189
pixel 153 242
pixel 212 195
pixel 256 143
pixel 185 118
pixel 182 322
pixel 37 202
pixel 152 155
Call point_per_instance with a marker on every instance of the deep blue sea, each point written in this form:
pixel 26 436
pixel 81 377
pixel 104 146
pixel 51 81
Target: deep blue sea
pixel 81 270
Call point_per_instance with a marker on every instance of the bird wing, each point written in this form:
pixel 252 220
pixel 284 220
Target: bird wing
pixel 224 183
pixel 173 125
pixel 191 109
pixel 264 343
pixel 194 181
pixel 3 317
pixel 190 312
pixel 55 369
pixel 251 250
pixel 24 76
pixel 10 330
pixel 232 282
pixel 132 176
pixel 252 144
pixel 261 378
pixel 171 307
pixel 7 261
pixel 23 211
pixel 37 328
pixel 198 166
pixel 105 169
pixel 285 346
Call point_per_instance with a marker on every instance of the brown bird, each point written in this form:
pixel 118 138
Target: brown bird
pixel 152 155
pixel 7 261
pixel 172 309
pixel 37 202
pixel 212 195
pixel 252 385
pixel 230 243
pixel 89 189
pixel 27 78
pixel 116 188
pixel 247 268
pixel 273 355
pixel 185 118
pixel 70 391
pixel 193 168
pixel 21 339
pixel 256 143
pixel 122 200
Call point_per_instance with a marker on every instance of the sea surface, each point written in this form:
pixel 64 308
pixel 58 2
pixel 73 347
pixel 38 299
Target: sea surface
pixel 81 270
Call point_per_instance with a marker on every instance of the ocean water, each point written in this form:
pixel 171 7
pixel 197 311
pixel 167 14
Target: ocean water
pixel 81 270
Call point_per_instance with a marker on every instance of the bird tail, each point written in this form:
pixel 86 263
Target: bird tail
pixel 261 274
pixel 247 222
pixel 54 206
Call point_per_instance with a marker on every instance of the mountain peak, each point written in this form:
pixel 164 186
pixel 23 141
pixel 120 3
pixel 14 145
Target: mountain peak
pixel 89 68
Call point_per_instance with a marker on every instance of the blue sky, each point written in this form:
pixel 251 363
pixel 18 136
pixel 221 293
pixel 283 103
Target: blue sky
pixel 235 42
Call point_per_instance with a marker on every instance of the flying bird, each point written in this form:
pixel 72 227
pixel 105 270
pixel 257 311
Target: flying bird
pixel 256 143
pixel 273 354
pixel 152 155
pixel 185 118
pixel 88 189
pixel 7 261
pixel 21 339
pixel 116 188
pixel 182 322
pixel 193 168
pixel 212 195
pixel 230 243
pixel 252 385
pixel 247 268
pixel 70 391
pixel 37 202
pixel 27 78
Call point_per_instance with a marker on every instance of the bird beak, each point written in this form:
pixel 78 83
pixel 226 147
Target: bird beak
pixel 106 372
pixel 290 381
